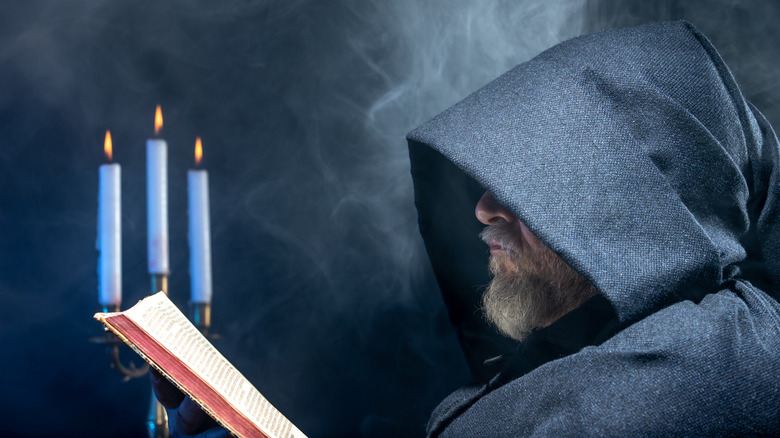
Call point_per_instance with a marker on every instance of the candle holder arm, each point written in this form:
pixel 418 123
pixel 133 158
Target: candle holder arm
pixel 112 343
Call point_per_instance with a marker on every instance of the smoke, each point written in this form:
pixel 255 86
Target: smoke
pixel 322 289
pixel 365 74
pixel 323 292
pixel 347 262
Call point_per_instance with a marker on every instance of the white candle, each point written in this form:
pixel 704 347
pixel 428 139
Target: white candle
pixel 199 232
pixel 157 201
pixel 109 242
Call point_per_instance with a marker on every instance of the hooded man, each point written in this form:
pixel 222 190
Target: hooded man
pixel 632 216
pixel 630 197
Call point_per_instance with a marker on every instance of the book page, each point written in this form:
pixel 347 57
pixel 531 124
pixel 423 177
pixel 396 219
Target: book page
pixel 159 317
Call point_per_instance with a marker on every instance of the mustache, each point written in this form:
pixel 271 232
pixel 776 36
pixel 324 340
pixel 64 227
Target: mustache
pixel 503 235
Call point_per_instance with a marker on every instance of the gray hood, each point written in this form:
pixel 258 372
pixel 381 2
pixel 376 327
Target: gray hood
pixel 633 155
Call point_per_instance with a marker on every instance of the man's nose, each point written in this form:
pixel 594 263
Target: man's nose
pixel 490 212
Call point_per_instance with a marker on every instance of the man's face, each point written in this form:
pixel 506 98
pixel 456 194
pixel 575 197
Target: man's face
pixel 531 287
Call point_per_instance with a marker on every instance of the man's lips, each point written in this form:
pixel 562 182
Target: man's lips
pixel 496 247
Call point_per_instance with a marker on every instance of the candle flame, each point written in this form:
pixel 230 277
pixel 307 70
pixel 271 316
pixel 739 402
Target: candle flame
pixel 107 147
pixel 198 151
pixel 158 123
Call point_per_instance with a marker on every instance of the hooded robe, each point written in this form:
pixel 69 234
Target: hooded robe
pixel 633 155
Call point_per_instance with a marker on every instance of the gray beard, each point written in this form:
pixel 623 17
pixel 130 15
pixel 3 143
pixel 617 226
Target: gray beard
pixel 531 287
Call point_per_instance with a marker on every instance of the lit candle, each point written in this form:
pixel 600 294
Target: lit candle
pixel 157 200
pixel 199 230
pixel 109 242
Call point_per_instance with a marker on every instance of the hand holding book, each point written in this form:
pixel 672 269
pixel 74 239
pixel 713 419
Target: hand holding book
pixel 162 335
pixel 185 417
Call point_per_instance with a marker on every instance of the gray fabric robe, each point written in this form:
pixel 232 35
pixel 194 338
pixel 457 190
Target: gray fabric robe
pixel 633 155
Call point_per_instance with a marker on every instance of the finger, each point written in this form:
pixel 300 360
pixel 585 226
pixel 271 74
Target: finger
pixel 167 394
pixel 190 418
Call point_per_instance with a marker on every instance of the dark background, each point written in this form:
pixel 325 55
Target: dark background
pixel 322 290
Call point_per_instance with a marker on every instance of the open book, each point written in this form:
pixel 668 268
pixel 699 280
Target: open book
pixel 157 330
